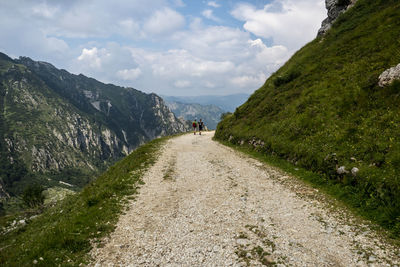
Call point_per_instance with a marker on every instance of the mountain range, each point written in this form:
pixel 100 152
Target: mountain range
pixel 60 129
pixel 227 103
pixel 209 108
pixel 210 114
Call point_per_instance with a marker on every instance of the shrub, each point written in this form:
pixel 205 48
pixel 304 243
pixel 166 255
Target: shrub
pixel 33 196
pixel 225 114
pixel 286 78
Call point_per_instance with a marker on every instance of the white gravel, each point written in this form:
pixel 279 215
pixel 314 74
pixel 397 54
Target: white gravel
pixel 204 204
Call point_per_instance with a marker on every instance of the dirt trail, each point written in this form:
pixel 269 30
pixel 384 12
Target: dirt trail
pixel 204 204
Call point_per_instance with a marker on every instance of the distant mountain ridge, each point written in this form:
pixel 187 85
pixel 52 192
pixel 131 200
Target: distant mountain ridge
pixel 57 126
pixel 226 103
pixel 210 114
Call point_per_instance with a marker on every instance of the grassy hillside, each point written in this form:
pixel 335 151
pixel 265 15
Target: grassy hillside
pixel 63 235
pixel 323 109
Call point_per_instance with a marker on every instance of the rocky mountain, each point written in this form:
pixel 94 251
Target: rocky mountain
pixel 210 114
pixel 59 127
pixel 333 109
pixel 335 8
pixel 227 103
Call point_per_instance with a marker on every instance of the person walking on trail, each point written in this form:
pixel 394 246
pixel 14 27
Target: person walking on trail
pixel 201 126
pixel 194 124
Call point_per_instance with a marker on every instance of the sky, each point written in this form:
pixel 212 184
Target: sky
pixel 169 47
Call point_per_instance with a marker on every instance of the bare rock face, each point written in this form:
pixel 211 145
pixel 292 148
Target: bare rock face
pixel 53 123
pixel 335 8
pixel 389 76
pixel 3 192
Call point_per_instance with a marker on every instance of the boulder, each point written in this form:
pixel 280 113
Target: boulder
pixel 389 75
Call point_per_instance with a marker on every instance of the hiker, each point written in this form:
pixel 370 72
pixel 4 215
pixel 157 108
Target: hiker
pixel 194 124
pixel 201 126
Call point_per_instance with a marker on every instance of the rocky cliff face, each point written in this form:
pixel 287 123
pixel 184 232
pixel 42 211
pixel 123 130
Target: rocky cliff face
pixel 59 125
pixel 335 8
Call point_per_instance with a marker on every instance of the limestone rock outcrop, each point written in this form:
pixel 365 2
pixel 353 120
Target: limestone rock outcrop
pixel 335 8
pixel 66 127
pixel 389 76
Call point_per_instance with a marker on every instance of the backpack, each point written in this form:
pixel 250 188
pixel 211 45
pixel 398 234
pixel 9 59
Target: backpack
pixel 194 124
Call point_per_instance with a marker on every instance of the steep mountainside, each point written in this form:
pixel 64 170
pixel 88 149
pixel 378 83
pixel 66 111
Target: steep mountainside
pixel 56 126
pixel 324 110
pixel 210 114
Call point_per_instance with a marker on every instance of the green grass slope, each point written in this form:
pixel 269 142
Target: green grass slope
pixel 64 234
pixel 323 109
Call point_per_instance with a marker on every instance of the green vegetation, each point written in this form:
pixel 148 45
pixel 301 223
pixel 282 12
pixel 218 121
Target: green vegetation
pixel 225 115
pixel 323 109
pixel 33 195
pixel 64 234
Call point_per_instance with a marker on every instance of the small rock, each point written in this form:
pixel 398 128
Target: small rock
pixel 35 261
pixel 371 258
pixel 22 222
pixel 242 241
pixel 41 258
pixel 341 170
pixel 267 259
pixel 354 171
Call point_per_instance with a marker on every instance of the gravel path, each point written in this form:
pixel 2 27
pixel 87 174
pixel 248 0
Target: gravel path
pixel 204 204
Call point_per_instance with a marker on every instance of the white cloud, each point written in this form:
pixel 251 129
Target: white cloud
pixel 196 24
pixel 176 63
pixel 182 83
pixel 179 3
pixel 208 13
pixel 130 28
pixel 92 57
pixel 207 60
pixel 291 23
pixel 112 63
pixel 246 81
pixel 44 10
pixel 147 44
pixel 209 84
pixel 164 22
pixel 213 4
pixel 129 74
